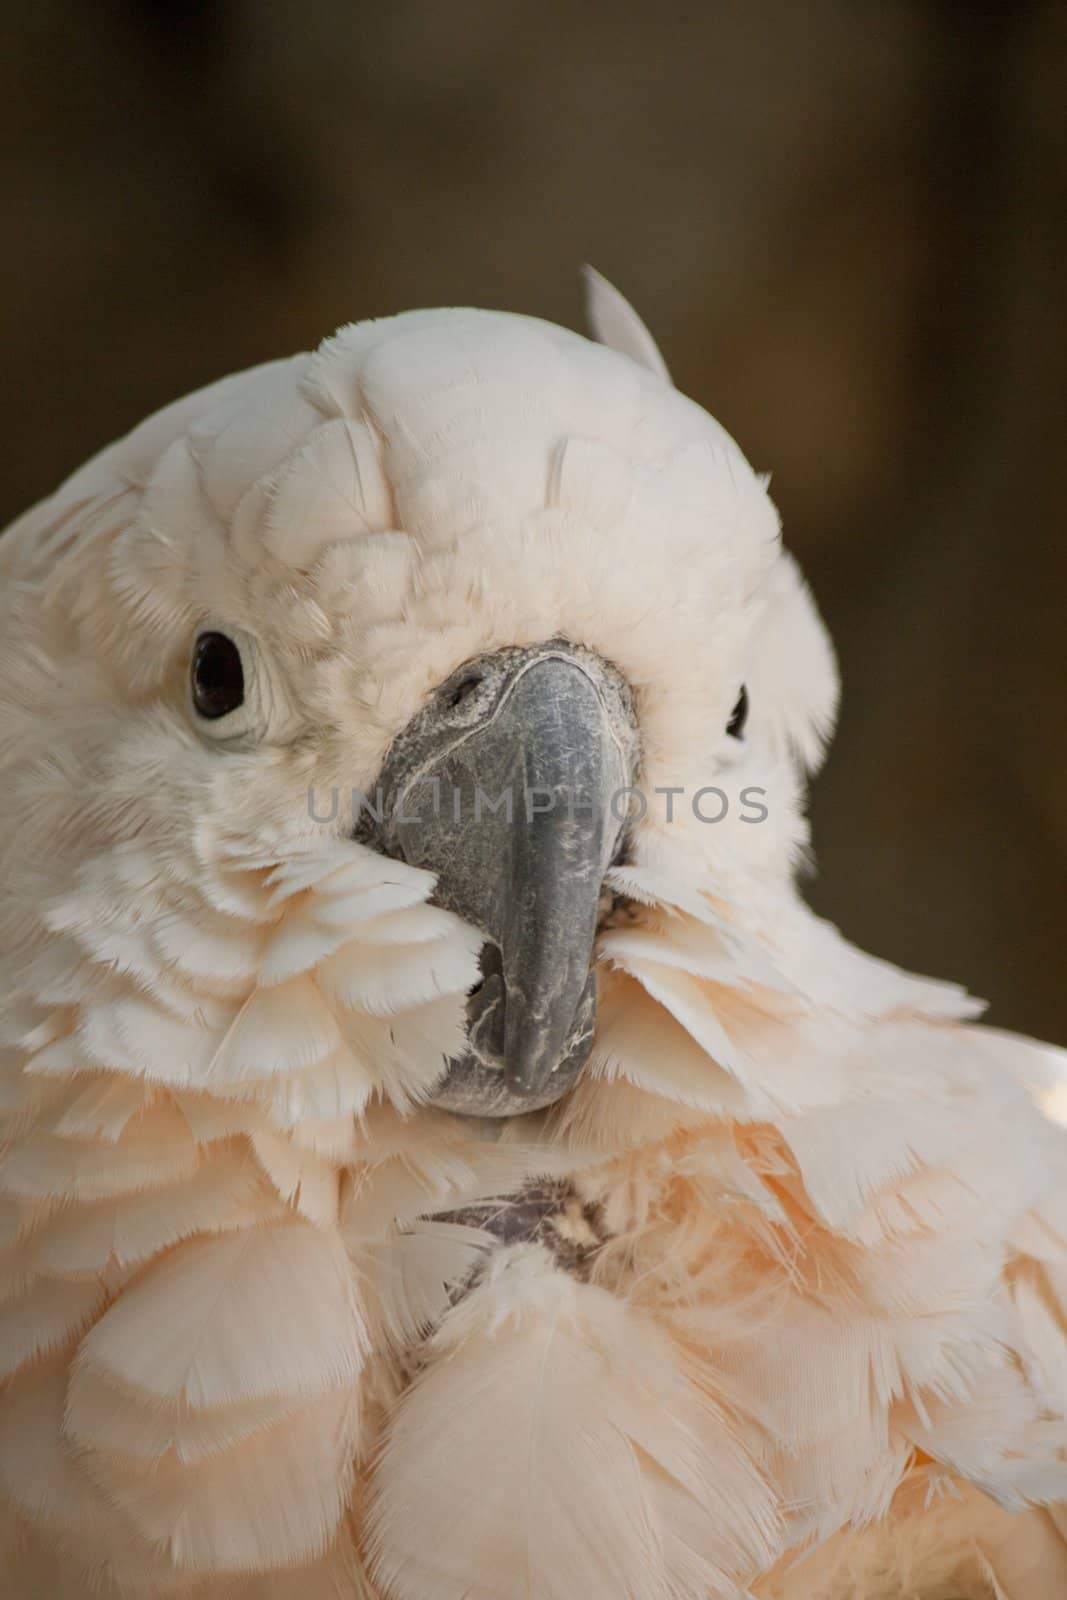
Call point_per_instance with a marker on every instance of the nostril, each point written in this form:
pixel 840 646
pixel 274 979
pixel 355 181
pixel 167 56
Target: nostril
pixel 464 688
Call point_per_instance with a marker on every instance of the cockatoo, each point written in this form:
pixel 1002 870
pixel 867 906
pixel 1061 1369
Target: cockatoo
pixel 442 1157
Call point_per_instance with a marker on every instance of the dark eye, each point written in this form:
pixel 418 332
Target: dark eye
pixel 739 716
pixel 218 676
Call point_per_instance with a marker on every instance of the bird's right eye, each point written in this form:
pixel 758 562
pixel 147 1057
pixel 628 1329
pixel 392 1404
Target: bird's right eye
pixel 218 676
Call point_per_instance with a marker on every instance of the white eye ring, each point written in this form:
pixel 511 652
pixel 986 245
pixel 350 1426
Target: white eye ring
pixel 227 665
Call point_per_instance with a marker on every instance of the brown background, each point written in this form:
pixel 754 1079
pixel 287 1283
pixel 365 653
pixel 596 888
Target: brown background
pixel 845 222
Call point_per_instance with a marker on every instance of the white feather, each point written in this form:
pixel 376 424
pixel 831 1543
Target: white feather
pixel 615 322
pixel 269 1311
pixel 547 1451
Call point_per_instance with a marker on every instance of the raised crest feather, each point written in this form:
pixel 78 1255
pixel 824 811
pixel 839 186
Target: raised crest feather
pixel 614 322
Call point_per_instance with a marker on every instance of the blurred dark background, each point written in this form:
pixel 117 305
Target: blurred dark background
pixel 845 222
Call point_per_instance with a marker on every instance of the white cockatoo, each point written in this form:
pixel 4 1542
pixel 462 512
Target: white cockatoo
pixel 519 1196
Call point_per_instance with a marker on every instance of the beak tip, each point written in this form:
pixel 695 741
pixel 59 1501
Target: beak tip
pixel 540 1048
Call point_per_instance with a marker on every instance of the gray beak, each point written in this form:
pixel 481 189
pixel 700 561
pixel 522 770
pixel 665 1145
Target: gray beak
pixel 510 785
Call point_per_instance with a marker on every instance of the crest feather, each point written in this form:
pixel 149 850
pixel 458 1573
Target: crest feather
pixel 614 322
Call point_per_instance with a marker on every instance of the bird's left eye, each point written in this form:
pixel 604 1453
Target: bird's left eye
pixel 739 716
pixel 218 676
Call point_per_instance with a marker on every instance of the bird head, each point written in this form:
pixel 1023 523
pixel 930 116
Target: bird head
pixel 374 687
